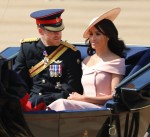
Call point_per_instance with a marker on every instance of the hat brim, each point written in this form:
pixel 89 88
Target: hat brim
pixel 50 28
pixel 111 15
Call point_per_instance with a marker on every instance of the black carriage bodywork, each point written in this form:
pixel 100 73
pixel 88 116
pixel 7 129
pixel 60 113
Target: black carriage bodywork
pixel 126 115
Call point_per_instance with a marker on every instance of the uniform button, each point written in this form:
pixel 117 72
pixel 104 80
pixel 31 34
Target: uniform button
pixel 43 81
pixel 40 93
pixel 78 61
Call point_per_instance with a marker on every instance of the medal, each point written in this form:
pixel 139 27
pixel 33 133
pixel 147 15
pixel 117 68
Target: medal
pixel 46 59
pixel 55 69
pixel 51 70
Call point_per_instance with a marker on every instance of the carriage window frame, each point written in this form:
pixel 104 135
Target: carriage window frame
pixel 140 75
pixel 138 82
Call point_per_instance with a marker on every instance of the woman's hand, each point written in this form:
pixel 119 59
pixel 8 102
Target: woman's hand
pixel 75 96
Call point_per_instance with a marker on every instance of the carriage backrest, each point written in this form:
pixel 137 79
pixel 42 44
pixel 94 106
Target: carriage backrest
pixel 135 58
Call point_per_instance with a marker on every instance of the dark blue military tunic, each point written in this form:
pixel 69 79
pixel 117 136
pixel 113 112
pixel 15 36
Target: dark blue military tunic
pixel 57 80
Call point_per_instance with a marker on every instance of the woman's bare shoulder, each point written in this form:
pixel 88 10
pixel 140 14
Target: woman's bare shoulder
pixel 113 56
pixel 86 59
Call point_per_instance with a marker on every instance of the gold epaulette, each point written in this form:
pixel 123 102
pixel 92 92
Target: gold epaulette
pixel 29 40
pixel 69 45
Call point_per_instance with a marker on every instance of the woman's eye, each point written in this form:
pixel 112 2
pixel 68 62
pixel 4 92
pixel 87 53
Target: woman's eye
pixel 91 34
pixel 98 33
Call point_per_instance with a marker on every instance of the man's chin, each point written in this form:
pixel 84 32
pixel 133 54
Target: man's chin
pixel 57 43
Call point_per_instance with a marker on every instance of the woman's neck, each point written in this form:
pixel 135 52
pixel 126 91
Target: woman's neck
pixel 102 53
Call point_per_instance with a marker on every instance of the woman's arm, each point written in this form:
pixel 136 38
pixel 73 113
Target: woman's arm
pixel 116 78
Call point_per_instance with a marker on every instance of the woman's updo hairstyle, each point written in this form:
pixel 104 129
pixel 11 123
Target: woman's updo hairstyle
pixel 107 28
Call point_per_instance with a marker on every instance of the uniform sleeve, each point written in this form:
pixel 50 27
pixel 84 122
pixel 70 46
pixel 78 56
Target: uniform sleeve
pixel 21 68
pixel 73 76
pixel 18 88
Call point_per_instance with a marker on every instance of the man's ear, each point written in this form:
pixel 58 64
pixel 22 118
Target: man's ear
pixel 40 30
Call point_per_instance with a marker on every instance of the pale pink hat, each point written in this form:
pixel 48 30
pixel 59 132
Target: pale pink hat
pixel 111 15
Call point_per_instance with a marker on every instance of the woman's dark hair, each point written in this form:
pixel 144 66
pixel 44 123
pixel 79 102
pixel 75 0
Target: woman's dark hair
pixel 107 28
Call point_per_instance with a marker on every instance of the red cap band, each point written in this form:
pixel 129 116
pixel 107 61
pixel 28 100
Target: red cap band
pixel 54 21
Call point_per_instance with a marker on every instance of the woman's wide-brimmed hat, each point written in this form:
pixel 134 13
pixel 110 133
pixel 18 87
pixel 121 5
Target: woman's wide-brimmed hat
pixel 111 15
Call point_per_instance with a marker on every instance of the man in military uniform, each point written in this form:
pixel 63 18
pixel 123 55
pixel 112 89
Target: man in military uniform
pixel 49 66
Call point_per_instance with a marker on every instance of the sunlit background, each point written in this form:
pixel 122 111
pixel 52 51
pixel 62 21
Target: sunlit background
pixel 133 22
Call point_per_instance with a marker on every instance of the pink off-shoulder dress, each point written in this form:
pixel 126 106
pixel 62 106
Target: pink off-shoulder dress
pixel 96 81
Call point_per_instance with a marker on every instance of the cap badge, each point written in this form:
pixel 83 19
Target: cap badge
pixel 57 20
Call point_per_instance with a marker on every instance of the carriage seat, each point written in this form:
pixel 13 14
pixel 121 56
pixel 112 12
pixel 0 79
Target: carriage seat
pixel 135 58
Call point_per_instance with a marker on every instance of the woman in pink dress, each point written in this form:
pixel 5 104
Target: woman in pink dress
pixel 103 69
